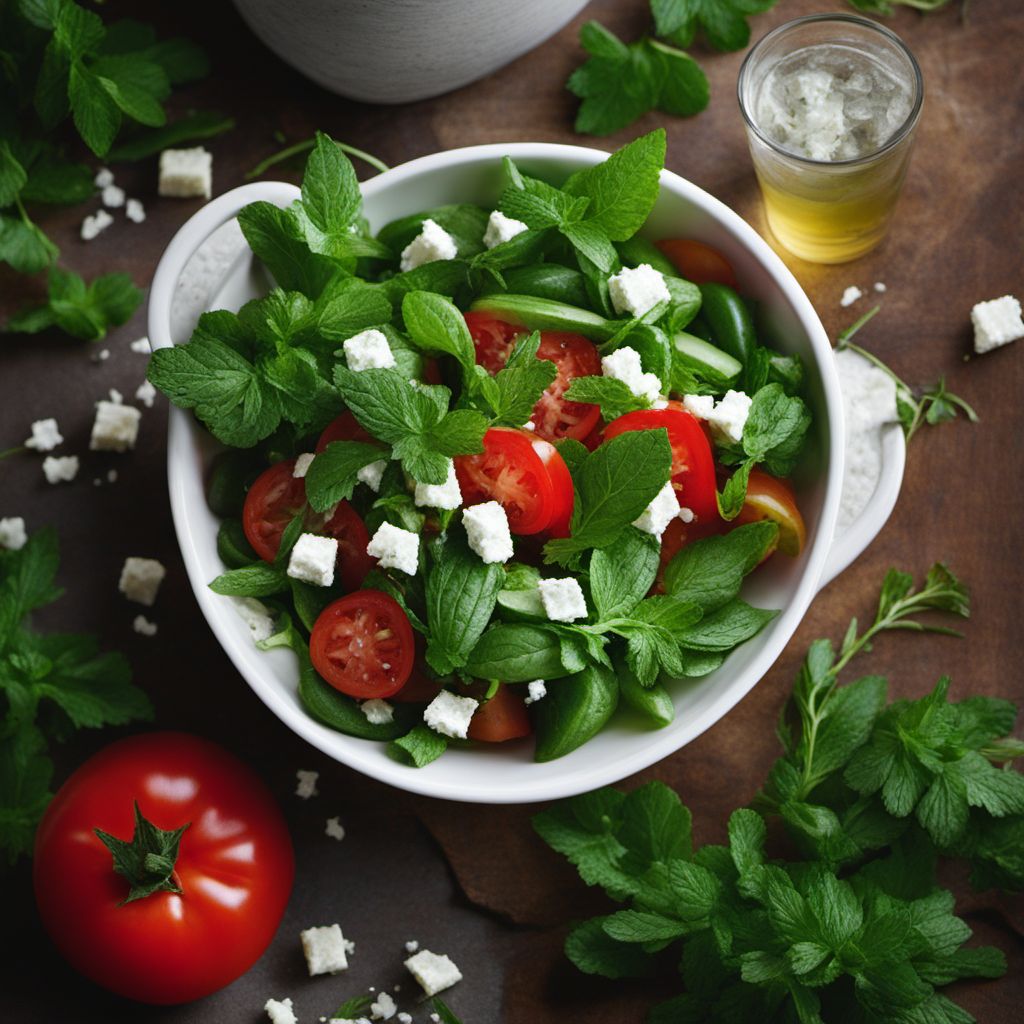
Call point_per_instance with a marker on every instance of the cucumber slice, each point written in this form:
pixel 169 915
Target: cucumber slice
pixel 546 315
pixel 521 605
pixel 703 356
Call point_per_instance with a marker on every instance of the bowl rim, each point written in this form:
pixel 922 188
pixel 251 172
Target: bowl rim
pixel 559 782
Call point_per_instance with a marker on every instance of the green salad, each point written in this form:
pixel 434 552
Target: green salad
pixel 493 471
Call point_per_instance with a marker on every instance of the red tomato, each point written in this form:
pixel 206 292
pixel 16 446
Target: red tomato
pixel 342 428
pixel 516 470
pixel 693 466
pixel 234 868
pixel 493 339
pixel 362 644
pixel 556 417
pixel 273 500
pixel 768 497
pixel 561 487
pixel 501 718
pixel 698 262
pixel 353 562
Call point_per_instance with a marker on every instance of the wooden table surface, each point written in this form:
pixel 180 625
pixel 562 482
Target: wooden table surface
pixel 474 881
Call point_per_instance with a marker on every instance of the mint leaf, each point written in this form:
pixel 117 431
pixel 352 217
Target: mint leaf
pixel 94 110
pixel 775 429
pixel 594 951
pixel 732 624
pixel 514 390
pixel 435 325
pixel 256 580
pixel 333 474
pixel 12 176
pixel 330 190
pixel 136 85
pixel 517 653
pixel 623 572
pixel 419 747
pixel 723 22
pixel 24 246
pixel 612 395
pixel 190 128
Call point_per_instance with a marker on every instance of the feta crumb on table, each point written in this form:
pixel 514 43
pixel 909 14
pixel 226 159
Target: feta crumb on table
pixel 637 290
pixel 663 508
pixel 302 464
pixel 116 427
pixel 100 357
pixel 624 364
pixel 879 286
pixel 563 599
pixel 135 211
pixel 850 295
pixel 104 177
pixel 256 615
pixel 996 322
pixel 502 229
pixel 435 972
pixel 140 580
pixel 447 495
pixel 94 223
pixel 140 345
pixel 305 786
pixel 112 196
pixel 324 949
pixel 395 548
pixel 143 626
pixel 45 435
pixel 535 691
pixel 383 1007
pixel 431 244
pixel 280 1011
pixel 450 714
pixel 411 946
pixel 111 476
pixel 403 1017
pixel 335 830
pixel 60 468
pixel 368 350
pixel 488 533
pixel 377 712
pixel 146 394
pixel 12 533
pixel 116 397
pixel 186 173
pixel 313 558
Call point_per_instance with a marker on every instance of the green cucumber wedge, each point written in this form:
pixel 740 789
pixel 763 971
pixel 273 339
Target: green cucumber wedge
pixel 704 357
pixel 546 315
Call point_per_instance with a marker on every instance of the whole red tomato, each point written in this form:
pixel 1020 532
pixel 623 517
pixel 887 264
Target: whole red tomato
pixel 173 924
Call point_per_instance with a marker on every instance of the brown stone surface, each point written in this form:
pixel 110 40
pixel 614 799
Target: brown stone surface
pixel 502 907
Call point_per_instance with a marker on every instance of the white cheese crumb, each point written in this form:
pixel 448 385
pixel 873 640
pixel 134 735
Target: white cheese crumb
pixel 383 1007
pixel 563 599
pixel 368 350
pixel 879 286
pixel 104 177
pixel 135 211
pixel 305 786
pixel 140 345
pixel 378 712
pixel 185 173
pixel 535 691
pixel 412 945
pixel 324 949
pixel 60 468
pixel 434 972
pixel 140 580
pixel 403 1017
pixel 996 322
pixel 529 425
pixel 280 1011
pixel 146 394
pixel 45 435
pixel 350 947
pixel 488 533
pixel 256 615
pixel 435 1018
pixel 115 396
pixel 659 403
pixel 302 464
pixel 12 533
pixel 100 357
pixel 112 196
pixel 450 714
pixel 372 474
pixel 431 244
pixel 395 548
pixel 334 829
pixel 637 290
pixel 624 364
pixel 659 513
pixel 502 229
pixel 115 428
pixel 730 415
pixel 701 406
pixel 850 296
pixel 111 476
pixel 94 224
pixel 687 514
pixel 447 495
pixel 143 626
pixel 313 559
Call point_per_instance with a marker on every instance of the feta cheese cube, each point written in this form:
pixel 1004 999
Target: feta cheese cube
pixel 850 295
pixel 535 691
pixel 637 290
pixel 372 474
pixel 143 626
pixel 313 559
pixel 378 712
pixel 94 224
pixel 185 173
pixel 140 345
pixel 256 615
pixel 115 428
pixel 104 177
pixel 324 949
pixel 280 1011
pixel 45 435
pixel 446 495
pixel 996 322
pixel 146 394
pixel 60 468
pixel 135 211
pixel 112 196
pixel 383 1007
pixel 730 415
pixel 502 229
pixel 335 830
pixel 450 714
pixel 368 350
pixel 701 406
pixel 431 244
pixel 12 533
pixel 487 529
pixel 624 364
pixel 306 784
pixel 140 580
pixel 302 464
pixel 563 599
pixel 395 548
pixel 434 972
pixel 659 513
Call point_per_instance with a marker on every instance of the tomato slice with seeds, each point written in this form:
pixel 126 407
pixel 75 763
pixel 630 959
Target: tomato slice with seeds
pixel 274 499
pixel 698 262
pixel 362 644
pixel 554 416
pixel 353 562
pixel 493 339
pixel 342 428
pixel 501 718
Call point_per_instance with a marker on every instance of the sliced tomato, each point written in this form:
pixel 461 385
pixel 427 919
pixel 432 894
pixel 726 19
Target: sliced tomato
pixel 420 688
pixel 342 428
pixel 353 562
pixel 501 718
pixel 693 466
pixel 493 339
pixel 556 417
pixel 274 499
pixel 768 497
pixel 362 644
pixel 561 487
pixel 698 262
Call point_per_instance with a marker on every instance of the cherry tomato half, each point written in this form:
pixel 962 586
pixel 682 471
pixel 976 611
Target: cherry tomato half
pixel 768 497
pixel 501 718
pixel 698 262
pixel 274 499
pixel 353 562
pixel 556 417
pixel 234 868
pixel 693 466
pixel 362 644
pixel 342 428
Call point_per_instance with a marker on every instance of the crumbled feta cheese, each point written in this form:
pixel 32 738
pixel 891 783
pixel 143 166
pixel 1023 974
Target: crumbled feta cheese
pixel 637 290
pixel 659 403
pixel 350 947
pixel 535 691
pixel 305 786
pixel 146 394
pixel 624 364
pixel 280 1011
pixel 659 513
pixel 434 972
pixel 450 714
pixel 140 345
pixel 135 211
pixel 879 286
pixel 487 530
pixel 412 945
pixel 996 322
pixel 100 357
pixel 140 580
pixel 115 428
pixel 431 244
pixel 368 350
pixel 185 173
pixel 112 196
pixel 104 177
pixel 378 712
pixel 502 229
pixel 256 615
pixel 324 949
pixel 529 425
pixel 60 468
pixel 335 830
pixel 446 495
pixel 143 626
pixel 395 548
pixel 313 559
pixel 701 406
pixel 687 514
pixel 563 599
pixel 302 464
pixel 45 435
pixel 94 224
pixel 111 476
pixel 730 415
pixel 116 397
pixel 372 474
pixel 383 1007
pixel 12 533
pixel 435 1018
pixel 403 1017
pixel 850 296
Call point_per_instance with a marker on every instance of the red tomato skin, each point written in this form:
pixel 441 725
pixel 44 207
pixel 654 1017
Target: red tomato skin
pixel 235 867
pixel 342 428
pixel 698 262
pixel 275 488
pixel 493 339
pixel 561 485
pixel 503 717
pixel 555 417
pixel 353 562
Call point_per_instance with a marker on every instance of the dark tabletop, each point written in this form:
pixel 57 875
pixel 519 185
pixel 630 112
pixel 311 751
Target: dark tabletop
pixel 473 881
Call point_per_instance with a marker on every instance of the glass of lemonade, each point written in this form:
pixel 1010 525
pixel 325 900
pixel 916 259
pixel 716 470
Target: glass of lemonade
pixel 830 103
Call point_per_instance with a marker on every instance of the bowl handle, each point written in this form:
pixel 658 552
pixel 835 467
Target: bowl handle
pixel 190 237
pixel 850 542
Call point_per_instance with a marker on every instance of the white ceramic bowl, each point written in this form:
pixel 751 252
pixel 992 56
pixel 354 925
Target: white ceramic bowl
pixel 506 774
